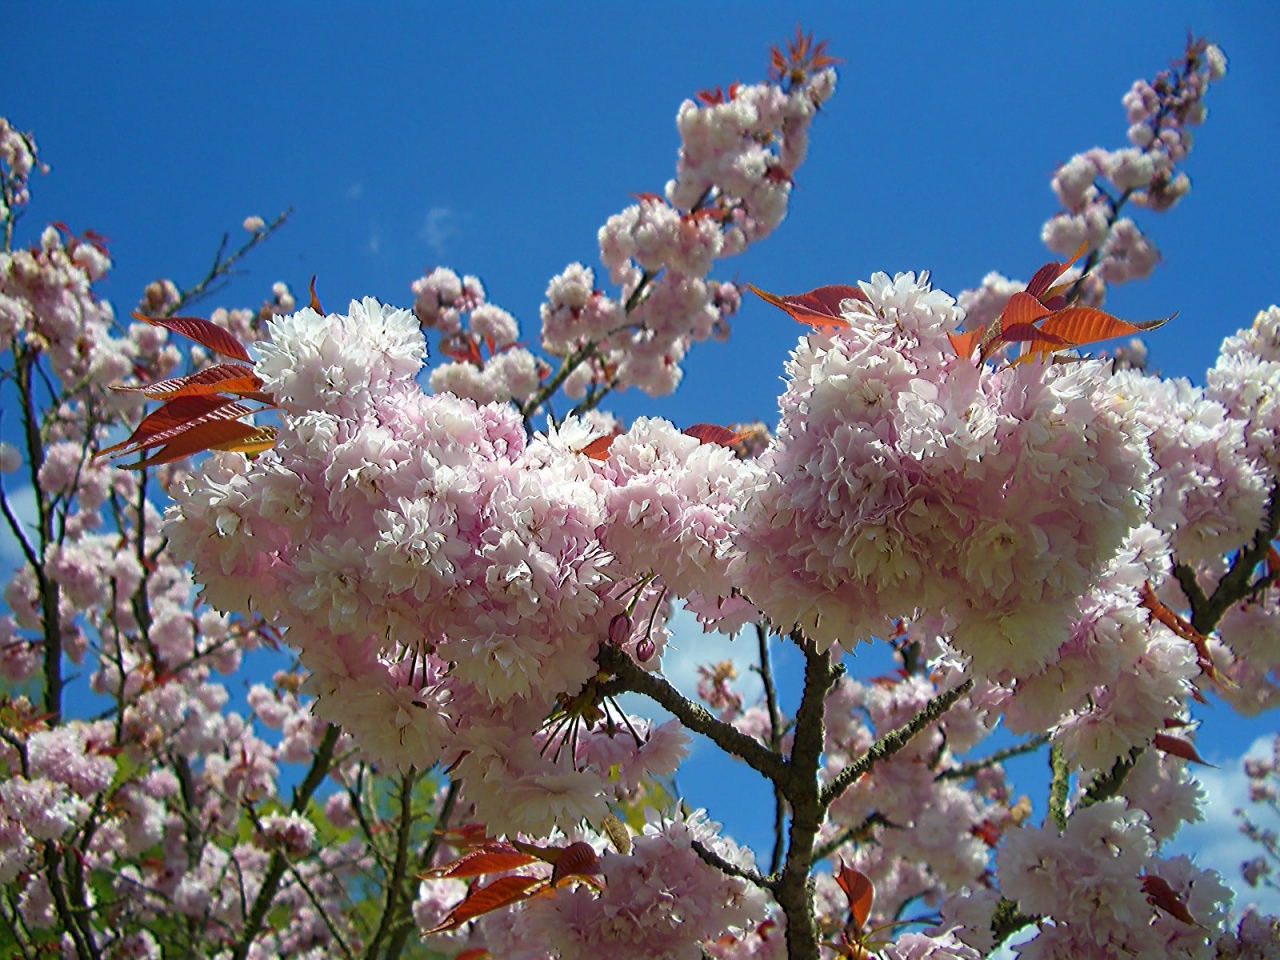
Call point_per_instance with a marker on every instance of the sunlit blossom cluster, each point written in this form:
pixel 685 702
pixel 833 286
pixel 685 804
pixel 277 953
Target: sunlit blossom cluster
pixel 1092 187
pixel 444 579
pixel 903 478
pixel 487 364
pixel 733 180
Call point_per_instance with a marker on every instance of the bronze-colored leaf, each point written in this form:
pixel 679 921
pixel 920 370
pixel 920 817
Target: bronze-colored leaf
pixel 1081 325
pixel 173 418
pixel 207 334
pixel 486 899
pixel 197 439
pixel 819 307
pixel 476 863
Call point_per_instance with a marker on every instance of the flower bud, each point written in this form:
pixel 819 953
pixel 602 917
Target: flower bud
pixel 619 629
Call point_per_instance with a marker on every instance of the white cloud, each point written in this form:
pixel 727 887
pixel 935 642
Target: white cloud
pixel 23 503
pixel 1216 842
pixel 439 227
pixel 690 648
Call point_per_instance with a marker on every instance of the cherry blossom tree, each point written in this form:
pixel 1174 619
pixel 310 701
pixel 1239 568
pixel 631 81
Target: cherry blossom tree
pixel 474 565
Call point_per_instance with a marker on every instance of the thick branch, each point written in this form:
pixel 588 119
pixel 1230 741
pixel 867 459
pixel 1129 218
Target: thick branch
pixel 724 735
pixel 775 744
pixel 400 934
pixel 1059 784
pixel 794 890
pixel 399 867
pixel 1006 920
pixel 1107 785
pixel 1236 584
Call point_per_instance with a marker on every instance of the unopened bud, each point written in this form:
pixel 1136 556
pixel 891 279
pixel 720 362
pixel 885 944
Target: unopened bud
pixel 645 650
pixel 619 629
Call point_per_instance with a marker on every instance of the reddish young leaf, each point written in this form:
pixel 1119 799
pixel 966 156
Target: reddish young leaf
pixel 170 420
pixel 1178 747
pixel 1168 617
pixel 1182 629
pixel 857 887
pixel 486 899
pixel 964 341
pixel 802 57
pixel 711 433
pixel 1045 277
pixel 598 449
pixel 576 860
pixel 1020 332
pixel 477 863
pixel 1021 309
pixel 467 835
pixel 819 307
pixel 315 301
pixel 264 438
pixel 203 436
pixel 462 348
pixel 473 953
pixel 240 386
pixel 220 379
pixel 1161 895
pixel 1081 325
pixel 261 397
pixel 986 831
pixel 207 334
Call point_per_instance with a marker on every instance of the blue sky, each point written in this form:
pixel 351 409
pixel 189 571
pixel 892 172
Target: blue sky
pixel 497 138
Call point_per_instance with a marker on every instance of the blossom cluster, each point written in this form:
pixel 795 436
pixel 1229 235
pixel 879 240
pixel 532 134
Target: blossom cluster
pixel 910 480
pixel 510 372
pixel 1092 187
pixel 445 580
pixel 733 180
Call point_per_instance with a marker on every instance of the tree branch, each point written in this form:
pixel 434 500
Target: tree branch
pixel 257 914
pixel 713 859
pixel 893 741
pixel 1235 584
pixel 976 766
pixel 794 890
pixel 775 744
pixel 1059 784
pixel 396 879
pixel 727 737
pixel 222 265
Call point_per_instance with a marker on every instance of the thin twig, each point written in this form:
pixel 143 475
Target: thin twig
pixel 775 744
pixel 976 766
pixel 713 859
pixel 222 264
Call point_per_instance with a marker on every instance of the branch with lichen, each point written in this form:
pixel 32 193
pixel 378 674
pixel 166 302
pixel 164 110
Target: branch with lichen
pixel 893 741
